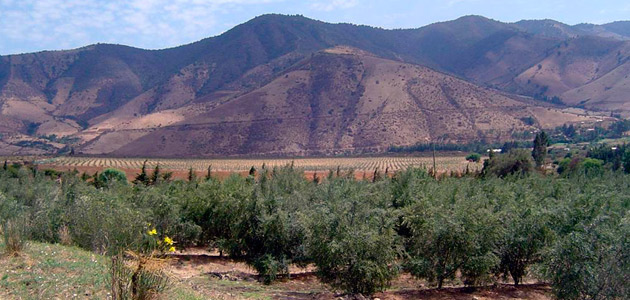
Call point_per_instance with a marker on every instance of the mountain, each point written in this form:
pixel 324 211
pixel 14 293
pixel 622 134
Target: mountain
pixel 621 28
pixel 265 87
pixel 554 29
pixel 575 63
pixel 549 28
pixel 341 100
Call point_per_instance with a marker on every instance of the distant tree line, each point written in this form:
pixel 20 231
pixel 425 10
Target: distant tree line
pixel 562 134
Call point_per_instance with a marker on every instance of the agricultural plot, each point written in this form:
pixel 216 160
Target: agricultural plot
pixel 392 164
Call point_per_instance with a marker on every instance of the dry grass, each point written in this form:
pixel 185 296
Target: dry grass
pixel 138 277
pixel 15 235
pixel 65 237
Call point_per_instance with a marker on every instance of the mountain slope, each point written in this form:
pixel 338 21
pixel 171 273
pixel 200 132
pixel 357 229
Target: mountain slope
pixel 340 100
pixel 572 64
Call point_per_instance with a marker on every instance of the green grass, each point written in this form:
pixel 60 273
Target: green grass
pixel 45 271
pixel 619 141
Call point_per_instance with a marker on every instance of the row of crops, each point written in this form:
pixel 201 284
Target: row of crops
pixel 450 163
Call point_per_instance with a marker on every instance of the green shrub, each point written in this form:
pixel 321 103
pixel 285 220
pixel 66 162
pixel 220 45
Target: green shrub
pixel 590 258
pixel 564 165
pixel 455 232
pixel 591 166
pixel 353 242
pixel 587 265
pixel 515 162
pixel 112 176
pixel 474 157
pixel 106 222
pixel 267 227
pixel 527 233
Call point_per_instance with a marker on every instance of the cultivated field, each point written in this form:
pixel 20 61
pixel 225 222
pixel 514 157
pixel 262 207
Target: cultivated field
pixel 392 164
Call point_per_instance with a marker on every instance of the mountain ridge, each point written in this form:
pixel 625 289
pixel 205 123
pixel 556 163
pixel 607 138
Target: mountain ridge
pixel 91 93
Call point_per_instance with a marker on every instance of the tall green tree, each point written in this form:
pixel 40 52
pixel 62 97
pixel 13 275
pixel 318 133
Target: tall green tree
pixel 541 141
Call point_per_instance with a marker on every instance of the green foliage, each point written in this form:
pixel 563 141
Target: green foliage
pixel 104 222
pixel 581 166
pixel 156 176
pixel 268 229
pixel 515 162
pixel 526 233
pixel 112 176
pixel 451 234
pixel 590 259
pixel 142 178
pixel 353 242
pixel 54 174
pixel 31 128
pixel 529 120
pixel 474 157
pixel 426 147
pixel 192 176
pixel 541 141
pixel 616 158
pixel 564 165
pixel 592 166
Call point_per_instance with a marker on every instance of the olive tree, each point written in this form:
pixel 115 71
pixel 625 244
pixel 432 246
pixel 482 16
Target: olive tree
pixel 352 239
pixel 453 230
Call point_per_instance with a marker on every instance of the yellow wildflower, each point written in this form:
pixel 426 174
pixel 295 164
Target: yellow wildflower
pixel 152 232
pixel 168 240
pixel 172 249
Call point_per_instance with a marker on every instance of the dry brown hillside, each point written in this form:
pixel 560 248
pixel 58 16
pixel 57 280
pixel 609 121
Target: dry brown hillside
pixel 339 100
pixel 586 71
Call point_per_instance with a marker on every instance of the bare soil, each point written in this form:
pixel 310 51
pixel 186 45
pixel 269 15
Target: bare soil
pixel 215 276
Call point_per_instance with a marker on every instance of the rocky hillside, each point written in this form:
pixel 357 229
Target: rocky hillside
pixel 291 85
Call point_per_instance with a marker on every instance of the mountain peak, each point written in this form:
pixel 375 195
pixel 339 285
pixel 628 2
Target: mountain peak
pixel 474 18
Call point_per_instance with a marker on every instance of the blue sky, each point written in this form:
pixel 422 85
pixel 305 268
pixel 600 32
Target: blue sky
pixel 34 25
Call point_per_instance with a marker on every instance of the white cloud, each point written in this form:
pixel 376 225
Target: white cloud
pixel 330 5
pixel 54 24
